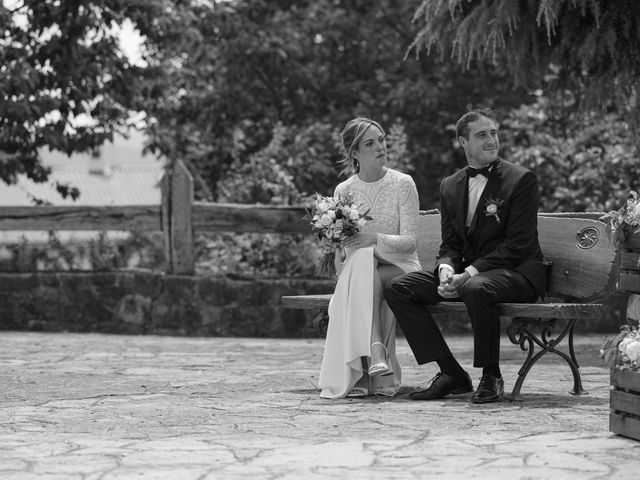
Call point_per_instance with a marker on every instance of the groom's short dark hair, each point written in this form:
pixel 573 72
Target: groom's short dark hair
pixel 462 125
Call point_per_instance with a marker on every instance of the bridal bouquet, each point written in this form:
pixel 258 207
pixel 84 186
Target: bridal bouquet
pixel 622 351
pixel 626 219
pixel 332 220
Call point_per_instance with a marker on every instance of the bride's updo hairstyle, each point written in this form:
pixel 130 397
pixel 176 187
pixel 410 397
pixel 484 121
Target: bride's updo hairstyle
pixel 351 136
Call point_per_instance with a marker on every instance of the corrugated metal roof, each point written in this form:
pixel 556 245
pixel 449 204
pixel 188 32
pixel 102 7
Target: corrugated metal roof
pixel 118 185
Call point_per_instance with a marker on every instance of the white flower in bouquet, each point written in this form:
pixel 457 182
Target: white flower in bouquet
pixel 327 219
pixel 333 233
pixel 323 206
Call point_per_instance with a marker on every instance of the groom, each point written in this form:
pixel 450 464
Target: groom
pixel 489 254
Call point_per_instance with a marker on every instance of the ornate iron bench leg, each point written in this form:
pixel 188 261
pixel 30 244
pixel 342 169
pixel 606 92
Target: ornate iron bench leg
pixel 572 352
pixel 520 334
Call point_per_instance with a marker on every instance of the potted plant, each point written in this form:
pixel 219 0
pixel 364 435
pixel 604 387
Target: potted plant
pixel 622 354
pixel 622 351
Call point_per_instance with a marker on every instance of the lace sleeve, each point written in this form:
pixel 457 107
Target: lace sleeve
pixel 408 209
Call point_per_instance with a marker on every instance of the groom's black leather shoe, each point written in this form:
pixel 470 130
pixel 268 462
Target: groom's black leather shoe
pixel 443 385
pixel 489 390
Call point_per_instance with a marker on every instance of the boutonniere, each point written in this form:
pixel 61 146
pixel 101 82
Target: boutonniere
pixel 492 207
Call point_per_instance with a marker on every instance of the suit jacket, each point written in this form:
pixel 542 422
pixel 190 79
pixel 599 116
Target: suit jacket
pixel 508 239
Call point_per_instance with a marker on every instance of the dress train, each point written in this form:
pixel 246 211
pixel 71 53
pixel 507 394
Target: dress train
pixel 350 322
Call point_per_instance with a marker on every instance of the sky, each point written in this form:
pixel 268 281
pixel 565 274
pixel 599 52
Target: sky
pixel 130 42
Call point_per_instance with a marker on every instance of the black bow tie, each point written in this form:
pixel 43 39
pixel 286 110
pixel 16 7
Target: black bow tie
pixel 472 172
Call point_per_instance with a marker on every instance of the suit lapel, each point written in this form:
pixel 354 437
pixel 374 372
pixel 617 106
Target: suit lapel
pixel 490 191
pixel 462 192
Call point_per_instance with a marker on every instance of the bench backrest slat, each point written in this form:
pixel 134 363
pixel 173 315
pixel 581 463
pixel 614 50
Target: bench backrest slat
pixel 580 249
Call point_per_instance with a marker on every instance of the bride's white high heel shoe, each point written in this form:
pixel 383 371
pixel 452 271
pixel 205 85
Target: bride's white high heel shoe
pixel 380 367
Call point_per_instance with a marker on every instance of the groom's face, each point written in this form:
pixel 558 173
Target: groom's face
pixel 481 148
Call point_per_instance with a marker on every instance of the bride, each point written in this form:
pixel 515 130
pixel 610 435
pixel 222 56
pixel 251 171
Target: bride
pixel 360 354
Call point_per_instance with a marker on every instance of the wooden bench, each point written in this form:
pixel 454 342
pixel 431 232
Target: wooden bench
pixel 582 256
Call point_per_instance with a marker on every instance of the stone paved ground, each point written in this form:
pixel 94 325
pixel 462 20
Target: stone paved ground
pixel 90 406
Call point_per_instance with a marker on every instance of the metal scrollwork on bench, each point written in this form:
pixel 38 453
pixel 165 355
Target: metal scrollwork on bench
pixel 587 237
pixel 521 333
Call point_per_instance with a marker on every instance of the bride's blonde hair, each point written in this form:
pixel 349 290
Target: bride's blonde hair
pixel 351 136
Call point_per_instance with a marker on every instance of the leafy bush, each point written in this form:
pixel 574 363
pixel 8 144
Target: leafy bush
pixel 249 254
pixel 260 178
pixel 255 254
pixel 583 163
pixel 297 162
pixel 99 253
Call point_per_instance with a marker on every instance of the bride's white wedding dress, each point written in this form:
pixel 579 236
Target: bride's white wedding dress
pixel 393 205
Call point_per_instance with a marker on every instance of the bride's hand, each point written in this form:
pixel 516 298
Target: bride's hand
pixel 361 240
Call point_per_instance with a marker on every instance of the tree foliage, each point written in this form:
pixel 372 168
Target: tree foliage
pixel 583 162
pixel 252 93
pixel 296 163
pixel 64 84
pixel 217 77
pixel 587 46
pixel 310 66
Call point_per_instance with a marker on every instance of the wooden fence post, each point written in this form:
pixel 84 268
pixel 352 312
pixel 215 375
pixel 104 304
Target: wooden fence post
pixel 177 225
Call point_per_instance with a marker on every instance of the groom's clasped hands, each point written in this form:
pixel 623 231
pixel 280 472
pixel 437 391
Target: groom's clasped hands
pixel 451 283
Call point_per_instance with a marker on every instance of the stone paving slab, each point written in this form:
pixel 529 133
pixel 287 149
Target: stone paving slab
pixel 91 406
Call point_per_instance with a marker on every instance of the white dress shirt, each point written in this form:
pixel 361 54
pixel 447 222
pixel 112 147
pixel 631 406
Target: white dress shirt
pixel 476 186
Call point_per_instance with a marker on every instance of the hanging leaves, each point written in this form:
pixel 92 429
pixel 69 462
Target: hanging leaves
pixel 590 46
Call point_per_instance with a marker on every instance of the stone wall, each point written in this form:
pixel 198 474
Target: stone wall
pixel 154 303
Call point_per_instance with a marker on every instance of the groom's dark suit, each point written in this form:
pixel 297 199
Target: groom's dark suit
pixel 503 248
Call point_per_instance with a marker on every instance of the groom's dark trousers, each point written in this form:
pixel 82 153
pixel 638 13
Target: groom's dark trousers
pixel 504 248
pixel 407 295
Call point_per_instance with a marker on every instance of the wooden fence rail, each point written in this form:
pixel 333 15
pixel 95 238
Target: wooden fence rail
pixel 130 217
pixel 243 218
pixel 178 216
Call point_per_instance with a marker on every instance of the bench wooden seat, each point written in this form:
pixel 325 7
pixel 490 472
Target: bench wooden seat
pixel 582 256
